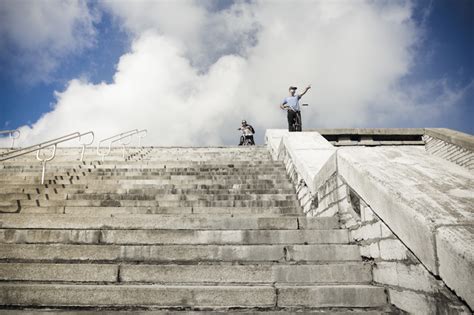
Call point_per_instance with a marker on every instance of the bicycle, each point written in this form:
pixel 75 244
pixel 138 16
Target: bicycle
pixel 246 137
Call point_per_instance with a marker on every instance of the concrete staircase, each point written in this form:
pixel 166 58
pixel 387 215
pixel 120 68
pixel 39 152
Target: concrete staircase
pixel 195 229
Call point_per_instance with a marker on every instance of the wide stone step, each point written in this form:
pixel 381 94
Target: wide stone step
pixel 289 311
pixel 179 253
pixel 206 274
pixel 284 183
pixel 39 191
pixel 160 203
pixel 92 173
pixel 130 187
pixel 224 195
pixel 167 296
pixel 115 211
pixel 152 210
pixel 162 197
pixel 150 221
pixel 213 163
pixel 154 237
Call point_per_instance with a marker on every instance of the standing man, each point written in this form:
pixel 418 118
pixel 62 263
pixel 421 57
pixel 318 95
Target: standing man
pixel 291 104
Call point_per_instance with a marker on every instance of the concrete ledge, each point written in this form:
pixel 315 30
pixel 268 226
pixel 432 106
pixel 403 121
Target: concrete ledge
pixel 370 131
pixel 455 247
pixel 461 139
pixel 416 194
pixel 309 152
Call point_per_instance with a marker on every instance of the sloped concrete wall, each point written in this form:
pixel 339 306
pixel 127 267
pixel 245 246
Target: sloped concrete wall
pixel 425 202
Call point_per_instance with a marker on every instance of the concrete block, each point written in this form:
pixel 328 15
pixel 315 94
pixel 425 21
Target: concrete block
pixel 367 214
pixel 367 232
pixel 371 250
pixel 322 253
pixel 411 302
pixel 196 273
pixel 333 210
pixel 414 277
pixel 386 232
pixel 455 248
pixel 332 296
pixel 419 303
pixel 391 249
pixel 58 272
pixel 324 273
pixel 236 237
pixel 137 295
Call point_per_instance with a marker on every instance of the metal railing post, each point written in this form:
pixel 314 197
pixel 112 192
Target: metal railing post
pixel 44 161
pixel 119 137
pixel 38 147
pixel 11 135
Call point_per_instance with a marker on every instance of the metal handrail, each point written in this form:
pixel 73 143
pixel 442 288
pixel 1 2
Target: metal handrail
pixel 34 147
pixel 124 135
pixel 11 133
pixel 140 137
pixel 54 143
pixel 115 138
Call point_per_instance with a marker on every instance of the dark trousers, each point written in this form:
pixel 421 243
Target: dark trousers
pixel 292 116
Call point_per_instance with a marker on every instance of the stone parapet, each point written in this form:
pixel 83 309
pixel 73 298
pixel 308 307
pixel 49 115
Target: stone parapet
pixel 451 145
pixel 422 205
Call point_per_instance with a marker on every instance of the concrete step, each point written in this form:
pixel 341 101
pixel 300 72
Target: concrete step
pixel 50 184
pixel 281 183
pixel 161 203
pixel 148 210
pixel 224 195
pixel 214 163
pixel 244 173
pixel 163 197
pixel 205 274
pixel 179 253
pixel 150 221
pixel 191 237
pixel 76 311
pixel 166 296
pixel 40 191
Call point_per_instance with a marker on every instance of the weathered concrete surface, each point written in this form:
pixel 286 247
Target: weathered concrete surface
pixel 455 249
pixel 461 139
pixel 309 152
pixel 150 221
pixel 58 272
pixel 320 296
pixel 370 131
pixel 416 194
pixel 141 295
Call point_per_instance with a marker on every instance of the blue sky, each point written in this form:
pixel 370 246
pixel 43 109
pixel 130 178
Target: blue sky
pixel 444 54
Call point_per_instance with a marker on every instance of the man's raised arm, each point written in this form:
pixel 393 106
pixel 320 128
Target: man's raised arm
pixel 305 90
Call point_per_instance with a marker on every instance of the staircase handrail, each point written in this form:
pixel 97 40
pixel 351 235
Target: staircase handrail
pixel 118 137
pixel 34 147
pixel 54 143
pixel 11 133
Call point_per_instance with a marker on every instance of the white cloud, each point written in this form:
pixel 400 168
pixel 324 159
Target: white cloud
pixel 36 35
pixel 193 74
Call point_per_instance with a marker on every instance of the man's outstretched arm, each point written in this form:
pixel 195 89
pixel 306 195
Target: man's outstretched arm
pixel 305 90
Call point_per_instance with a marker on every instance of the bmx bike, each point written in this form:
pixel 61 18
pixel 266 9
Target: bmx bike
pixel 246 137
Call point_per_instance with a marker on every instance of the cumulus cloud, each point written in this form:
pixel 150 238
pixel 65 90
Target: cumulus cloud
pixel 36 35
pixel 194 72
